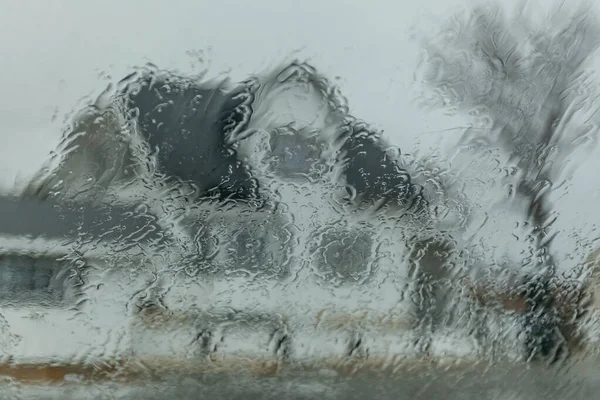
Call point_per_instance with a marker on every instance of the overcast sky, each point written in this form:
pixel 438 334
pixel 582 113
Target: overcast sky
pixel 55 52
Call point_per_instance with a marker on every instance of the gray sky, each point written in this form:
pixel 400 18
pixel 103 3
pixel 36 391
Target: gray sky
pixel 56 52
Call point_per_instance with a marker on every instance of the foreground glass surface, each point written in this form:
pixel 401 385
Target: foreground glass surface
pixel 253 238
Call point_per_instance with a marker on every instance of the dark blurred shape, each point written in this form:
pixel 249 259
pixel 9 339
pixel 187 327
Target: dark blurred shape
pixel 345 256
pixel 35 281
pixel 186 123
pixel 525 87
pixel 33 218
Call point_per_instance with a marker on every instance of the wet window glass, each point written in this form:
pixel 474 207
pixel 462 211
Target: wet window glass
pixel 317 200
